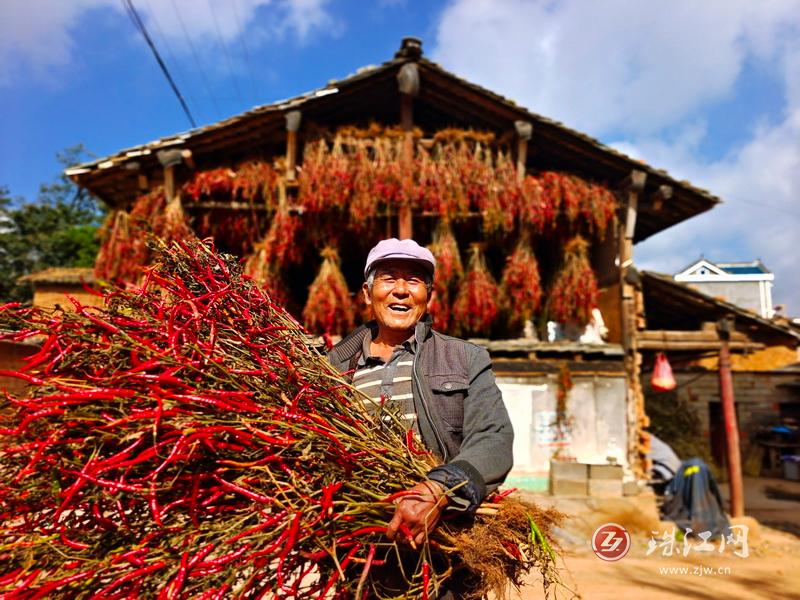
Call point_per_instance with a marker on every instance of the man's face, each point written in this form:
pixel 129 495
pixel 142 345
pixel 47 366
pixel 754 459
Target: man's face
pixel 399 296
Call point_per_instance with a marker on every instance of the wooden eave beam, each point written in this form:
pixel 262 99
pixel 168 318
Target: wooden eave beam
pixel 690 346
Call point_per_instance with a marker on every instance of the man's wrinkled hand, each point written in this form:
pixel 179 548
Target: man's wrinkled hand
pixel 417 512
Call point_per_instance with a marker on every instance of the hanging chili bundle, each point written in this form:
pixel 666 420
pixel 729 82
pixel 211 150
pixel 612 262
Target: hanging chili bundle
pixel 502 196
pixel 449 272
pixel 124 251
pixel 521 285
pixel 599 209
pixel 535 210
pixel 327 177
pixel 478 300
pixel 213 184
pixel 329 308
pixel 115 242
pixel 256 181
pixel 186 441
pixel 573 293
pixel 278 249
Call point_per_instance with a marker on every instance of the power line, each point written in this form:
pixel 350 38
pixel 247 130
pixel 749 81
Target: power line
pixel 225 52
pixel 246 52
pixel 176 65
pixel 140 26
pixel 196 60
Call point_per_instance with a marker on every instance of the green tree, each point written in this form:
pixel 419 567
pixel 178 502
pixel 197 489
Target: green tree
pixel 58 230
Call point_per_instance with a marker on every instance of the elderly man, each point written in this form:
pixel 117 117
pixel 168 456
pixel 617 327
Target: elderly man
pixel 442 387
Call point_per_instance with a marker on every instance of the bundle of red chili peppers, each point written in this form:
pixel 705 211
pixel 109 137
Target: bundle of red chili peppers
pixel 478 300
pixel 449 272
pixel 124 249
pixel 521 284
pixel 186 442
pixel 329 309
pixel 573 293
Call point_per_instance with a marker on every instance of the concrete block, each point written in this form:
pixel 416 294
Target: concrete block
pixel 575 471
pixel 605 472
pixel 631 488
pixel 605 488
pixel 568 487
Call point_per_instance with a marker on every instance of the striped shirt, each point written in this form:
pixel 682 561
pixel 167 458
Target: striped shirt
pixel 388 383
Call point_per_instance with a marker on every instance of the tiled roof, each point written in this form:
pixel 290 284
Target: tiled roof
pixel 60 275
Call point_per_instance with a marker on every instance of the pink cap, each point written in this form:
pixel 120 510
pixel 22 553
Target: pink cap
pixel 402 250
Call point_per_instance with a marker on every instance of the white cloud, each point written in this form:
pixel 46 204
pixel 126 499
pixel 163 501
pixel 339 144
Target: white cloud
pixel 760 217
pixel 37 37
pixel 617 65
pixel 648 74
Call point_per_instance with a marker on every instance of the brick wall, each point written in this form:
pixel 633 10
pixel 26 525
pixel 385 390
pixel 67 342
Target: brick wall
pixel 758 397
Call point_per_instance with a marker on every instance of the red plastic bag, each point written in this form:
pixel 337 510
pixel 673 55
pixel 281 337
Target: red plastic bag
pixel 663 380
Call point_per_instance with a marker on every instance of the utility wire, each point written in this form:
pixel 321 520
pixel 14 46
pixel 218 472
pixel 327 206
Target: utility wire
pixel 180 74
pixel 140 26
pixel 225 52
pixel 196 60
pixel 245 50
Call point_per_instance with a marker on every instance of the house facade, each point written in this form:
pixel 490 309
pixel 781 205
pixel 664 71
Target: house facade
pixel 745 284
pixel 415 105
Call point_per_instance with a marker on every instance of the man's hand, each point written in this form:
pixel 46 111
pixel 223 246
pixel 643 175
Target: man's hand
pixel 418 512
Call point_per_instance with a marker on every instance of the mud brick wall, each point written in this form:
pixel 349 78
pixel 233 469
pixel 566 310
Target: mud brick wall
pixel 11 355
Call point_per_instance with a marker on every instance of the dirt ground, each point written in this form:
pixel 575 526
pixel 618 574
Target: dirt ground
pixel 770 571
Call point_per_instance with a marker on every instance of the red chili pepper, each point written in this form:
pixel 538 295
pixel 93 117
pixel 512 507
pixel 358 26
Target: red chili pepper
pixel 412 447
pixel 131 575
pixel 73 544
pixel 244 492
pixel 29 378
pixel 426 579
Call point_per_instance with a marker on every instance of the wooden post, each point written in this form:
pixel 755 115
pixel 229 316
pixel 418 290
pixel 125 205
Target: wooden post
pixel 724 327
pixel 408 83
pixel 169 159
pixel 524 133
pixel 293 118
pixel 637 419
pixel 661 195
pixel 169 182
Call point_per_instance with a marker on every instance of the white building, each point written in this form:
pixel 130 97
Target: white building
pixel 746 284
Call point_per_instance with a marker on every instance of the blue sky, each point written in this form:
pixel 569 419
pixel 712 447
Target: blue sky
pixel 709 91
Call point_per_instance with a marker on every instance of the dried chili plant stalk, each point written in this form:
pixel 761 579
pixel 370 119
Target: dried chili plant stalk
pixel 186 441
pixel 478 300
pixel 329 308
pixel 574 292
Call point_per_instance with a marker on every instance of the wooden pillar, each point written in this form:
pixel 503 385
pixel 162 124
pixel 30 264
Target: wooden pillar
pixel 659 197
pixel 724 327
pixel 630 189
pixel 293 118
pixel 408 83
pixel 170 159
pixel 524 133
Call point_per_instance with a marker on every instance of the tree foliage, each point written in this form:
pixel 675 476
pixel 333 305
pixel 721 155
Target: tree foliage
pixel 57 230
